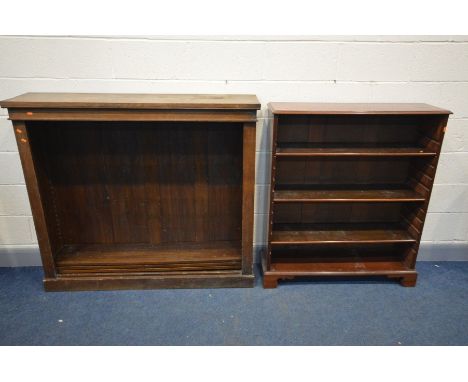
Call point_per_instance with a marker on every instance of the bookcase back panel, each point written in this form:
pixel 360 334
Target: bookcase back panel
pixel 330 213
pixel 352 130
pixel 141 182
pixel 342 171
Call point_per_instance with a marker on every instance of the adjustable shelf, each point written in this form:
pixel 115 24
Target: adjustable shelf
pixel 350 187
pixel 318 234
pixel 339 260
pixel 301 150
pixel 346 196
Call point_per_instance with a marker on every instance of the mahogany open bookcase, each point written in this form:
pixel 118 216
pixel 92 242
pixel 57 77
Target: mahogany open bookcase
pixel 139 191
pixel 350 187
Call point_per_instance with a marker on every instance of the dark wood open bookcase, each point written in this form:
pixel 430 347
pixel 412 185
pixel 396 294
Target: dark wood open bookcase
pixel 139 191
pixel 350 187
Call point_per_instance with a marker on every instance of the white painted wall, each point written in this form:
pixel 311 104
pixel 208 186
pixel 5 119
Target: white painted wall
pixel 432 69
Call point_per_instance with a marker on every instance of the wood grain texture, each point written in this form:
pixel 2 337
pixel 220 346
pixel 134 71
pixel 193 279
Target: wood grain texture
pixel 301 151
pixel 132 101
pixel 422 179
pixel 284 268
pixel 266 255
pixel 351 185
pixel 140 258
pixel 306 108
pixel 333 196
pixel 187 280
pixel 336 213
pixel 340 266
pixel 368 172
pixel 338 234
pixel 217 115
pixel 140 191
pixel 183 182
pixel 41 216
pixel 248 191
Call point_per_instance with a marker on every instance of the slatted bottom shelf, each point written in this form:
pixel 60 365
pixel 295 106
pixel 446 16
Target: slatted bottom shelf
pixel 339 258
pixel 143 259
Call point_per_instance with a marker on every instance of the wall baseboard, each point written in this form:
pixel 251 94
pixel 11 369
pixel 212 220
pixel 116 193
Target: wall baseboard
pixel 19 256
pixel 443 251
pixel 28 256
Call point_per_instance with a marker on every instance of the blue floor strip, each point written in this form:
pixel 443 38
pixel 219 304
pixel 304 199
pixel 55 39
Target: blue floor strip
pixel 316 312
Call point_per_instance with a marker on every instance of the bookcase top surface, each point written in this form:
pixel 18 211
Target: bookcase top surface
pixel 133 101
pixel 354 108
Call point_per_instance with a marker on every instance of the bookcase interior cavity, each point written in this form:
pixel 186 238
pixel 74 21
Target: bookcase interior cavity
pixel 162 196
pixel 350 191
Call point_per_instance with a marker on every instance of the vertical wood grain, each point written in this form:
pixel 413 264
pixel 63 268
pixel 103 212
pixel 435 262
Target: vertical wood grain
pixel 32 185
pixel 166 200
pixel 248 189
pixel 272 191
pixel 437 133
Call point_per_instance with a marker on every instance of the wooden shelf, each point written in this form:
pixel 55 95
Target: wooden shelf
pixel 295 234
pixel 89 259
pixel 351 267
pixel 339 266
pixel 340 261
pixel 331 196
pixel 297 150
